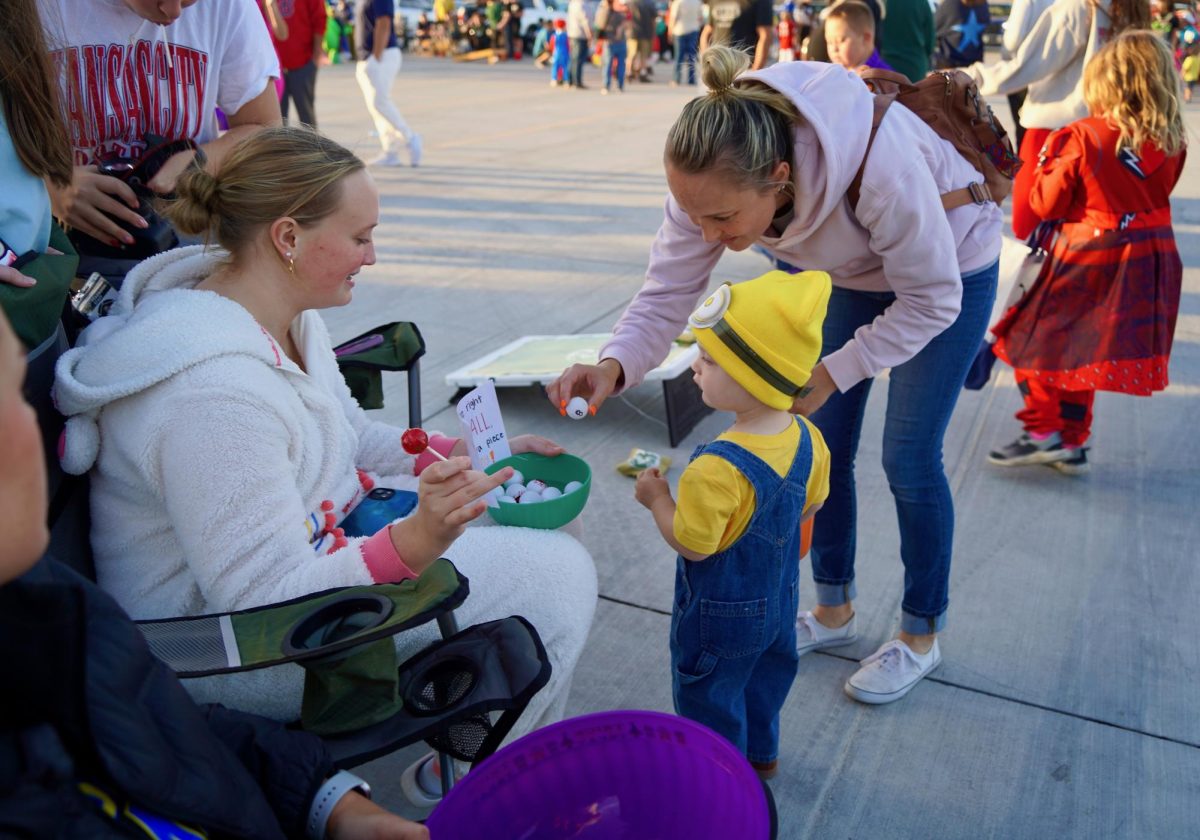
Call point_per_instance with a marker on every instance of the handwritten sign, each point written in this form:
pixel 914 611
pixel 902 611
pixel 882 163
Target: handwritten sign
pixel 483 427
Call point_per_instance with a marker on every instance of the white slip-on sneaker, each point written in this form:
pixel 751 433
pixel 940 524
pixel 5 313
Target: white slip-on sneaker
pixel 813 635
pixel 891 672
pixel 415 148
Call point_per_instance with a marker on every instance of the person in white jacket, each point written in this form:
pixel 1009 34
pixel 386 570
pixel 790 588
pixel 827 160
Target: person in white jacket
pixel 219 431
pixel 767 158
pixel 1022 15
pixel 1049 62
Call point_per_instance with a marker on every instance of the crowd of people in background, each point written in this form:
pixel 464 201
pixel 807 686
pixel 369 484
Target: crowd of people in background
pixel 910 36
pixel 903 281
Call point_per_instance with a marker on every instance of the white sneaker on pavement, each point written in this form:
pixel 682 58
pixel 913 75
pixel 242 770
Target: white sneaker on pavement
pixel 414 149
pixel 891 672
pixel 813 635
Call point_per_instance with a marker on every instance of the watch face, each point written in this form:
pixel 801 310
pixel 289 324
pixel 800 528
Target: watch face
pixel 712 310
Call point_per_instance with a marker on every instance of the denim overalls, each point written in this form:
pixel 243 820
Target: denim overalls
pixel 733 629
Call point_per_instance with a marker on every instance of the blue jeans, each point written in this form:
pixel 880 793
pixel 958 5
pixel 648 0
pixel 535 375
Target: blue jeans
pixel 614 53
pixel 733 632
pixel 686 47
pixel 922 393
pixel 579 55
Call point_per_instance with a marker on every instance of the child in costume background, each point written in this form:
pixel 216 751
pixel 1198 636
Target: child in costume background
pixel 1101 315
pixel 1191 70
pixel 560 47
pixel 850 36
pixel 741 502
pixel 786 30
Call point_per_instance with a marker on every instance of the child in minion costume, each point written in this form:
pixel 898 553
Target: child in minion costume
pixel 742 499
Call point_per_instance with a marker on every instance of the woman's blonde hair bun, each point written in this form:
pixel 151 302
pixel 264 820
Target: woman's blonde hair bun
pixel 291 171
pixel 742 128
pixel 719 68
pixel 197 202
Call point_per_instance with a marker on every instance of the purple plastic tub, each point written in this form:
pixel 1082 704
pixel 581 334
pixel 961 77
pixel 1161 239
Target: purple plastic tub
pixel 624 775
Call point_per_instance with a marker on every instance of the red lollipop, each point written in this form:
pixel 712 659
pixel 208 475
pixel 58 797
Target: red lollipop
pixel 415 441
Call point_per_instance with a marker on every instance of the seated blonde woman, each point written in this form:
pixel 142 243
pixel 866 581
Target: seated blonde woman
pixel 216 425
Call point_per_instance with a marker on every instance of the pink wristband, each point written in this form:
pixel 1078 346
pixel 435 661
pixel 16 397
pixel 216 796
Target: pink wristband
pixel 383 561
pixel 442 444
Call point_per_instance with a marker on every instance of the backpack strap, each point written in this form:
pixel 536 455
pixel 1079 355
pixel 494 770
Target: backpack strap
pixel 881 103
pixel 893 83
pixel 977 193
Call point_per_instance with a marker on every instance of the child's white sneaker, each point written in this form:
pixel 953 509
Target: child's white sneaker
pixel 813 635
pixel 891 672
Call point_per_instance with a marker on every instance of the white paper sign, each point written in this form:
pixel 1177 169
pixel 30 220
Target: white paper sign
pixel 483 427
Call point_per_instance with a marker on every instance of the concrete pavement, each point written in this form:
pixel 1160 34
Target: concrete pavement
pixel 1068 704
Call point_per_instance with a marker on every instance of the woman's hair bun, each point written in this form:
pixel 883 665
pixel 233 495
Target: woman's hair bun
pixel 719 68
pixel 197 202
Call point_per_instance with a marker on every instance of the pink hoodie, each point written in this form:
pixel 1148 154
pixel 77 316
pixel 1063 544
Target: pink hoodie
pixel 902 240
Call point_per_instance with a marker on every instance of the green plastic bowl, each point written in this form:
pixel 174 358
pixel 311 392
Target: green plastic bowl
pixel 556 471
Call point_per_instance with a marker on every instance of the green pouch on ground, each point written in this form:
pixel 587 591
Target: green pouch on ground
pixel 353 683
pixel 401 344
pixel 35 312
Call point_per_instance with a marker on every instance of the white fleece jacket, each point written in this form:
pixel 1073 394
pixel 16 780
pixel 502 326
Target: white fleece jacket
pixel 1049 62
pixel 210 450
pixel 900 240
pixel 213 448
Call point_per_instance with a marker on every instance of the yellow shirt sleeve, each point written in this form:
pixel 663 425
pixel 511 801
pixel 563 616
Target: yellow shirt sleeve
pixel 716 502
pixel 711 494
pixel 817 489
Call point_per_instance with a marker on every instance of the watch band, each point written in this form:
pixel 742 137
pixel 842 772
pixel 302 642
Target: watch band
pixel 328 796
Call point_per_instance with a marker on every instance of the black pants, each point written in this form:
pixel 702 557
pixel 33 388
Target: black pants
pixel 1015 101
pixel 300 86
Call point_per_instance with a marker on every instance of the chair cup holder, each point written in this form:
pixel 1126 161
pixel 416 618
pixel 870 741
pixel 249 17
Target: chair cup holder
pixel 335 621
pixel 440 686
pixel 351 688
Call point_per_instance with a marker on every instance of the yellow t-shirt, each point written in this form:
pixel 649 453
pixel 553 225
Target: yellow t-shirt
pixel 716 501
pixel 1191 68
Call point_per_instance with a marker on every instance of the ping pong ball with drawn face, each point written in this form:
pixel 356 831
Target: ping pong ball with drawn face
pixel 577 408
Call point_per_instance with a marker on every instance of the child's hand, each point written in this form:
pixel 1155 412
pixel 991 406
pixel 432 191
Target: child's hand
pixel 650 487
pixel 535 443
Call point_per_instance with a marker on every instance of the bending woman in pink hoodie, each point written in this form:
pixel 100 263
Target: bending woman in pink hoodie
pixel 766 158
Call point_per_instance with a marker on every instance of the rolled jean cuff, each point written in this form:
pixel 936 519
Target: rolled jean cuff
pixel 919 625
pixel 835 594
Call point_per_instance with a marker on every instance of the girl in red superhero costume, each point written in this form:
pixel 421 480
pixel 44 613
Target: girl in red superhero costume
pixel 1102 312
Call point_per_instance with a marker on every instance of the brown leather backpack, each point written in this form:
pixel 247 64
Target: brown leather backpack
pixel 949 102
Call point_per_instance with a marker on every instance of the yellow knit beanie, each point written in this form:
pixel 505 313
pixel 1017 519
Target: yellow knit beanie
pixel 766 332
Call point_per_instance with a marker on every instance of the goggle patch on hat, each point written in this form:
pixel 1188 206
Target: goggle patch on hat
pixel 710 315
pixel 713 309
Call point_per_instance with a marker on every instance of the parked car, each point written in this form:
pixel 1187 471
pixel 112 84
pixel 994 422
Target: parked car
pixel 533 12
